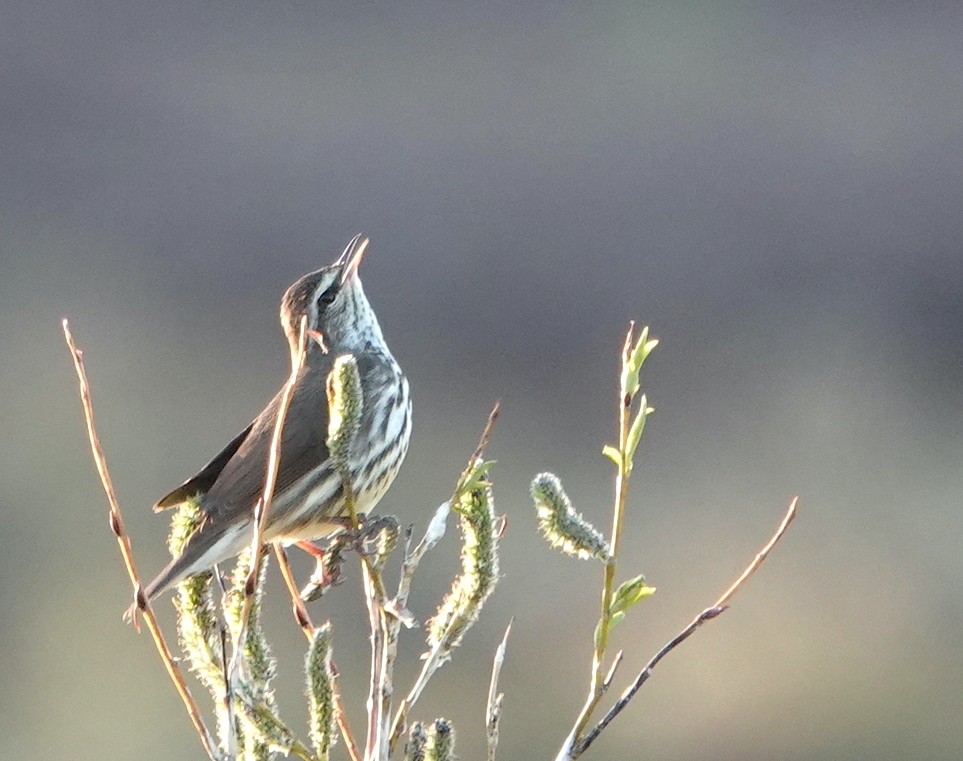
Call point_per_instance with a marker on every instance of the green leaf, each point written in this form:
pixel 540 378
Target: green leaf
pixel 629 381
pixel 638 426
pixel 636 357
pixel 643 347
pixel 628 594
pixel 473 476
pixel 632 365
pixel 613 454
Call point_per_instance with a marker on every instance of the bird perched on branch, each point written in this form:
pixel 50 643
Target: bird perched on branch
pixel 308 498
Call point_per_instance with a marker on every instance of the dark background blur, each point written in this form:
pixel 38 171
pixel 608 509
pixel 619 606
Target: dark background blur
pixel 775 187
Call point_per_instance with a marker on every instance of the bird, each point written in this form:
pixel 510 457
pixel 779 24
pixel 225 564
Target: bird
pixel 308 502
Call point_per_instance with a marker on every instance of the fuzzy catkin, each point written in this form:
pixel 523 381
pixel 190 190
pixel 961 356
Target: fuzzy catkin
pixel 479 561
pixel 562 526
pixel 322 720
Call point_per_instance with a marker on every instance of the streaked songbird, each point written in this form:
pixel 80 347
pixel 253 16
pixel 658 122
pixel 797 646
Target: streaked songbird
pixel 308 501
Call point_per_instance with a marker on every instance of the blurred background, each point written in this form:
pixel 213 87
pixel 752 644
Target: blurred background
pixel 775 188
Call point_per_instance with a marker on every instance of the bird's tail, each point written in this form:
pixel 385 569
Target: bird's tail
pixel 205 548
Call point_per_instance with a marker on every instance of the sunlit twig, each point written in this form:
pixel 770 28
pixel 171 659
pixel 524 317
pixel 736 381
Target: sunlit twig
pixel 493 708
pixel 141 603
pixel 263 508
pixel 708 614
pixel 307 626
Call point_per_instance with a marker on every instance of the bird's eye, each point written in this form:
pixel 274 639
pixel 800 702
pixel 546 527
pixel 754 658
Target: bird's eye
pixel 328 296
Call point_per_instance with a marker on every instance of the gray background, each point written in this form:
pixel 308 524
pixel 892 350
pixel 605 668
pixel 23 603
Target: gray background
pixel 774 187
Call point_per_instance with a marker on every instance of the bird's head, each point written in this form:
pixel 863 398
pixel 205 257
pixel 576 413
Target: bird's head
pixel 334 302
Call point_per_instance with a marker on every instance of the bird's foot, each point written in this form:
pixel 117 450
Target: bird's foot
pixel 374 538
pixel 327 571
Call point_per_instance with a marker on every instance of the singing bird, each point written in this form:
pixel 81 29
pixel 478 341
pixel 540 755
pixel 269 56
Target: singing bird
pixel 308 502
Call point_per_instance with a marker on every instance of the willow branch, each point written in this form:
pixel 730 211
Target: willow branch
pixel 720 606
pixel 298 607
pixel 263 509
pixel 598 684
pixel 141 603
pixel 378 694
pixel 486 432
pixel 307 626
pixel 493 708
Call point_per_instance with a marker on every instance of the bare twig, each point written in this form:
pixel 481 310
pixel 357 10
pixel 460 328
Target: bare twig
pixel 298 608
pixel 493 709
pixel 376 748
pixel 486 432
pixel 707 615
pixel 230 730
pixel 342 720
pixel 760 556
pixel 378 702
pixel 433 534
pixel 616 662
pixel 263 509
pixel 303 620
pixel 141 603
pixel 431 664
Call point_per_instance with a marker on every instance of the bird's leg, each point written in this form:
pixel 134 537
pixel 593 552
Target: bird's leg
pixel 312 549
pixel 327 571
pixel 365 540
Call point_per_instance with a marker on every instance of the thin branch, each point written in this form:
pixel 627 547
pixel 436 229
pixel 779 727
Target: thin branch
pixel 228 698
pixel 439 654
pixel 298 607
pixel 493 709
pixel 379 705
pixel 303 620
pixel 622 487
pixel 270 480
pixel 342 720
pixel 378 698
pixel 708 614
pixel 616 662
pixel 486 433
pixel 597 686
pixel 760 556
pixel 433 534
pixel 141 603
pixel 401 616
pixel 433 661
pixel 431 664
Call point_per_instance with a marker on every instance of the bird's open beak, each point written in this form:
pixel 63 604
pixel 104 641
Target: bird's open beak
pixel 351 258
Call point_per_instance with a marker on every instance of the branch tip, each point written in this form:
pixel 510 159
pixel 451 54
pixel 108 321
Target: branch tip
pixel 141 603
pixel 486 432
pixel 578 746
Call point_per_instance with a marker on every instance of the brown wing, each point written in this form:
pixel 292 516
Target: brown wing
pixel 241 480
pixel 205 478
